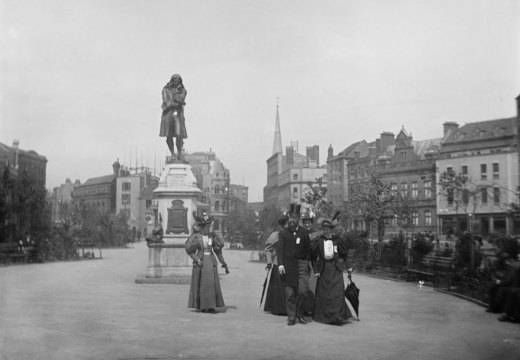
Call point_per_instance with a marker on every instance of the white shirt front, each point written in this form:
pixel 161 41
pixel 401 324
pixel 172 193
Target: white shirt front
pixel 328 249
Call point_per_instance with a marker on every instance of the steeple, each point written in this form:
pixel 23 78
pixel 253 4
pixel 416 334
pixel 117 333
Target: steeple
pixel 277 143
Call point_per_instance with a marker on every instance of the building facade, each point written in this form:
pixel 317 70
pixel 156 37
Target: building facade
pixel 213 180
pixel 62 201
pixel 406 166
pixel 24 161
pixel 289 176
pixel 484 157
pixel 98 192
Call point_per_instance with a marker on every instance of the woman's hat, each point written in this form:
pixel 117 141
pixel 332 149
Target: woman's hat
pixel 203 219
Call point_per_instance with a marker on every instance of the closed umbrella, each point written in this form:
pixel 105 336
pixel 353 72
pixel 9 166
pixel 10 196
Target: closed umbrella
pixel 352 295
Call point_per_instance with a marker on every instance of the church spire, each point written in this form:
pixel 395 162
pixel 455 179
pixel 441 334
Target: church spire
pixel 277 143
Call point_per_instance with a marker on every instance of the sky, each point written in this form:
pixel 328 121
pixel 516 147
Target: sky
pixel 81 81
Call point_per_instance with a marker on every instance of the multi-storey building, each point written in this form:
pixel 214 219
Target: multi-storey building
pixel 18 162
pixel 406 165
pixel 98 192
pixel 213 180
pixel 290 175
pixel 23 161
pixel 410 171
pixel 484 155
pixel 62 201
pixel 239 191
pixel 133 198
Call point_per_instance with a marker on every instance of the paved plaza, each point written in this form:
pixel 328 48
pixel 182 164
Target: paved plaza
pixel 93 309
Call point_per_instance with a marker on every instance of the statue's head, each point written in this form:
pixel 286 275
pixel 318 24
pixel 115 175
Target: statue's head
pixel 176 79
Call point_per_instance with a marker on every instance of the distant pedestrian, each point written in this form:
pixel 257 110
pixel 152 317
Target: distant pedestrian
pixel 329 253
pixel 202 246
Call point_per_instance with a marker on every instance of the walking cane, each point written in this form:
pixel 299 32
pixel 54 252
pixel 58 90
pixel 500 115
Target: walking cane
pixel 266 281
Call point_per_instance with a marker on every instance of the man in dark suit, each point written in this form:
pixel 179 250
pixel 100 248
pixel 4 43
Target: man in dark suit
pixel 293 253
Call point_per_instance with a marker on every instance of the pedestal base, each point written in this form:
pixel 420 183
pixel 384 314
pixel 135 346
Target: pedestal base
pixel 167 264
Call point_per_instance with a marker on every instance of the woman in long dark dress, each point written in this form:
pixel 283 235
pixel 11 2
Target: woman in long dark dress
pixel 329 252
pixel 202 246
pixel 275 296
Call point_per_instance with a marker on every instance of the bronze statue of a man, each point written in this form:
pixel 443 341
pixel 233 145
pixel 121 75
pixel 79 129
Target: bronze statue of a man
pixel 172 119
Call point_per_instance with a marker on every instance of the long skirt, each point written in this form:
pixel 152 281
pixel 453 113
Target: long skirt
pixel 275 296
pixel 205 291
pixel 330 305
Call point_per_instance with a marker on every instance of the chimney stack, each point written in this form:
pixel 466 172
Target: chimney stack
pixel 449 128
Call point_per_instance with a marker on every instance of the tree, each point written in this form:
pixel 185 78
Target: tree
pixel 374 203
pixel 316 197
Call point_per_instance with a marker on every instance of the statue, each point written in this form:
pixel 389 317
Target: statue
pixel 156 237
pixel 157 234
pixel 172 119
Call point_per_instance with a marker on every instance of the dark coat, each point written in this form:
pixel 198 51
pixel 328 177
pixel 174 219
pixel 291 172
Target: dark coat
pixel 292 247
pixel 195 247
pixel 318 257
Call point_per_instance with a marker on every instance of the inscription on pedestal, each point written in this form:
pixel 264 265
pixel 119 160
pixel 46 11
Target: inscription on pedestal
pixel 177 218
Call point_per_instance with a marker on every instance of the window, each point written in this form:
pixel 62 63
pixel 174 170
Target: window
pixel 415 218
pixel 483 171
pixel 428 218
pixel 415 190
pixel 394 221
pixel 464 169
pixel 465 196
pixel 295 177
pixel 295 193
pixel 148 203
pixel 393 189
pixel 126 186
pixel 450 196
pixel 496 195
pixel 217 205
pixel 449 170
pixel 427 189
pixel 126 199
pixel 484 195
pixel 402 156
pixel 404 189
pixel 496 171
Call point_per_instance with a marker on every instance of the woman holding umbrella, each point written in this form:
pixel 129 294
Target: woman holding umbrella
pixel 329 252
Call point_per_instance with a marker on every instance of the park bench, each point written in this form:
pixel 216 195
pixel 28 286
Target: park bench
pixel 12 252
pixel 431 269
pixel 87 247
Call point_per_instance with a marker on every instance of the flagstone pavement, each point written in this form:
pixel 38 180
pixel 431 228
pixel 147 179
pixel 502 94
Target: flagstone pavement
pixel 93 309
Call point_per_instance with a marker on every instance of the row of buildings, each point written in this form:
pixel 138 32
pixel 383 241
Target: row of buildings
pixel 31 168
pixel 482 156
pixel 130 191
pixel 125 190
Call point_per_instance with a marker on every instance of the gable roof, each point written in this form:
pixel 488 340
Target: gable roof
pixel 488 129
pixel 99 180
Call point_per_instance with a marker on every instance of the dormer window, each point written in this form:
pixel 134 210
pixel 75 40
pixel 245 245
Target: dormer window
pixel 477 134
pixel 498 131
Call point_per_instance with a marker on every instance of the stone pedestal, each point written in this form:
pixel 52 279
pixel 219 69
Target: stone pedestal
pixel 177 199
